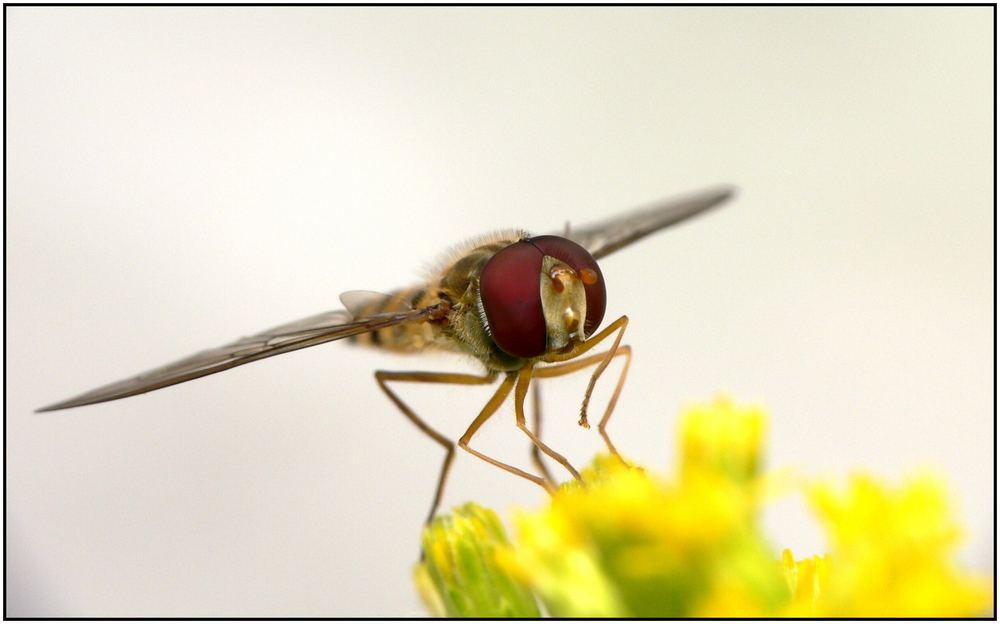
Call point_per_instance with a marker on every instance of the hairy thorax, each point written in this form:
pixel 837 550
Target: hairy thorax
pixel 456 283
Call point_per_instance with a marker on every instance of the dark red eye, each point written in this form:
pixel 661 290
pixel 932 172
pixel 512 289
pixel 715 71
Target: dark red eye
pixel 512 300
pixel 584 264
pixel 511 295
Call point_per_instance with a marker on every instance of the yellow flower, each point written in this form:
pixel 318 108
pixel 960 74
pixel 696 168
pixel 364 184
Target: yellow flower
pixel 892 552
pixel 807 580
pixel 723 437
pixel 626 543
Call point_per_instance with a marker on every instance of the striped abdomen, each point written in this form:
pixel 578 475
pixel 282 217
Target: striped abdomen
pixel 406 337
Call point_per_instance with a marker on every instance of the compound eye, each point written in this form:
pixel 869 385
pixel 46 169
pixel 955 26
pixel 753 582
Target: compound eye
pixel 512 300
pixel 586 267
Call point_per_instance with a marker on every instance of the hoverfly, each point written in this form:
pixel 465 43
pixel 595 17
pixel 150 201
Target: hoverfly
pixel 527 307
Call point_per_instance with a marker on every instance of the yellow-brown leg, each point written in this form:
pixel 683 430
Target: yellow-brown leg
pixel 536 453
pixel 382 377
pixel 488 410
pixel 520 392
pixel 618 326
pixel 572 366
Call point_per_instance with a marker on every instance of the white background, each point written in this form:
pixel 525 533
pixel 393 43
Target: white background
pixel 179 177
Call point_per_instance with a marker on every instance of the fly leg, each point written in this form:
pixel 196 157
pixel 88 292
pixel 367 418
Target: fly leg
pixel 382 377
pixel 536 453
pixel 618 326
pixel 520 391
pixel 488 410
pixel 567 367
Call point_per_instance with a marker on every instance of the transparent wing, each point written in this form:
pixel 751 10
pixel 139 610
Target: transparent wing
pixel 358 302
pixel 300 334
pixel 604 237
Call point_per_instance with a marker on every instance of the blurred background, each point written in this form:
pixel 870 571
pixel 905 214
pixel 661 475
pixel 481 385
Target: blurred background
pixel 178 177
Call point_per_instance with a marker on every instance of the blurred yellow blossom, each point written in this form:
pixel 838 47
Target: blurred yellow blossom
pixel 892 552
pixel 724 438
pixel 634 545
pixel 626 543
pixel 806 580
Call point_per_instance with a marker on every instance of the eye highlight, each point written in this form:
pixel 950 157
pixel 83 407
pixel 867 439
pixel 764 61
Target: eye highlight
pixel 557 284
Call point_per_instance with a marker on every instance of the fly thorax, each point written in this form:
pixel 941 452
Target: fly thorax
pixel 564 304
